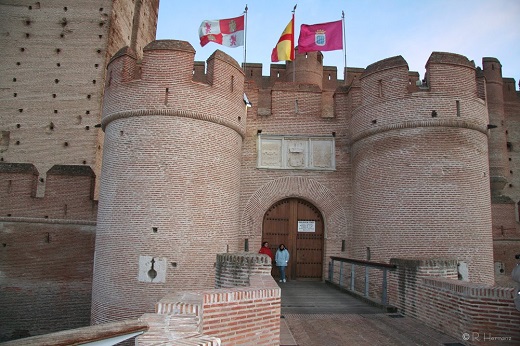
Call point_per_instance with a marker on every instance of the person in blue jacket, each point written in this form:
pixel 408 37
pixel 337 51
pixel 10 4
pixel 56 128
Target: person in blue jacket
pixel 281 259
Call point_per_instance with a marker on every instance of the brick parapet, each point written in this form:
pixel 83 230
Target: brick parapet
pixel 236 315
pixel 469 289
pixel 235 269
pixel 166 84
pixel 465 310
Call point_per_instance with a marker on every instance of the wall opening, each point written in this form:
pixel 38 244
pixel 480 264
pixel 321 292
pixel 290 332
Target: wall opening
pixel 298 225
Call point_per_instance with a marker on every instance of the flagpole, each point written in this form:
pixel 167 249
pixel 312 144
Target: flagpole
pixel 245 40
pixel 344 47
pixel 294 61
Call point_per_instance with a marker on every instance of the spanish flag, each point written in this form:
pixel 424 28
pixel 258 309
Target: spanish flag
pixel 284 49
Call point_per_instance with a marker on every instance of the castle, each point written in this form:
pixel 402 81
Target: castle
pixel 377 166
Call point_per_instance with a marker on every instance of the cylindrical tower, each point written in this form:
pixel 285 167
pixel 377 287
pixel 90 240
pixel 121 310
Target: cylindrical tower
pixel 307 68
pixel 169 196
pixel 420 166
pixel 498 163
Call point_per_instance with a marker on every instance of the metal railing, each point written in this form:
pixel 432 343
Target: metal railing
pixel 351 286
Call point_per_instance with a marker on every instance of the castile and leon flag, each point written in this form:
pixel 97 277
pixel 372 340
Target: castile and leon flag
pixel 227 32
pixel 320 37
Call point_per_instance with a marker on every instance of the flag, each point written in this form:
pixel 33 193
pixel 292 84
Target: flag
pixel 323 36
pixel 227 32
pixel 284 49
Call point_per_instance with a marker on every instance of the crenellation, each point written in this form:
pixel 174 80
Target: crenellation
pixel 510 93
pixel 385 80
pixel 450 73
pixel 19 190
pixel 165 61
pixel 222 69
pixel 277 73
pixel 167 76
pixel 330 78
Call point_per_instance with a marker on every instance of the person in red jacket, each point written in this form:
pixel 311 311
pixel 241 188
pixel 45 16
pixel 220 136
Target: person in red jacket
pixel 266 251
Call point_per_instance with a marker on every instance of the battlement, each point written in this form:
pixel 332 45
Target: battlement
pixel 449 96
pixel 492 70
pixel 307 69
pixel 168 82
pixel 450 73
pixel 510 92
pixel 69 192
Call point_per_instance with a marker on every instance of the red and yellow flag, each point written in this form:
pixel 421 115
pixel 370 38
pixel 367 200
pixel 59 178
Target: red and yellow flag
pixel 284 49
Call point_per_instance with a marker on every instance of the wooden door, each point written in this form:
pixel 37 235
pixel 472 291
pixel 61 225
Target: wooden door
pixel 299 225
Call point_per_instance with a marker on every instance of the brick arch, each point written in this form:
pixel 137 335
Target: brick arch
pixel 334 215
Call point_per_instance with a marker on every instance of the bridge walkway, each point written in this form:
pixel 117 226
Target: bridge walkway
pixel 317 314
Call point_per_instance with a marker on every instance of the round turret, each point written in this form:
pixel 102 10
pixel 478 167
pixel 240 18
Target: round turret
pixel 306 69
pixel 419 157
pixel 169 195
pixel 498 162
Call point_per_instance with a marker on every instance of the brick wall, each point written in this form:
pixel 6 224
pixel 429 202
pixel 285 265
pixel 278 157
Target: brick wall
pixel 506 239
pixel 51 84
pixel 41 114
pixel 241 316
pixel 473 313
pixel 46 271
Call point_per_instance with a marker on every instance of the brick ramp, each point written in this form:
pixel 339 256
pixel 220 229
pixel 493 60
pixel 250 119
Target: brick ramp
pixel 314 313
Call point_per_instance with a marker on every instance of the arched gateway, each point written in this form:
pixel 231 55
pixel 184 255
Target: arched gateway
pixel 299 225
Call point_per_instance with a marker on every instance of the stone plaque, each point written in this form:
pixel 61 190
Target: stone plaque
pixel 271 153
pixel 296 153
pixel 322 154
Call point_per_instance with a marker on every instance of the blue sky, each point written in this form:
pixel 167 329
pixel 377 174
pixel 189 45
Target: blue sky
pixel 375 29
